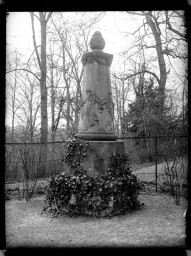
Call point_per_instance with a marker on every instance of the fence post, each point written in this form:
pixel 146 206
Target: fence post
pixel 156 140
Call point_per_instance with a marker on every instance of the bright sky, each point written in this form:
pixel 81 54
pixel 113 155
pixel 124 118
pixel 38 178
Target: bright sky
pixel 19 32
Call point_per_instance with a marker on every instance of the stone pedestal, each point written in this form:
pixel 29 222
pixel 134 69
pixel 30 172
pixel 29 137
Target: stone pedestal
pixel 98 161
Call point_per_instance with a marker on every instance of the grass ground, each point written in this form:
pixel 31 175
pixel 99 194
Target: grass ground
pixel 159 223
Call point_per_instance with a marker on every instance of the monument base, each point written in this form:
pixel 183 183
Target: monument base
pixel 98 160
pixel 97 136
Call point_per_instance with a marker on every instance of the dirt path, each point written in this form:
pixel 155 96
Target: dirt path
pixel 159 223
pixel 148 173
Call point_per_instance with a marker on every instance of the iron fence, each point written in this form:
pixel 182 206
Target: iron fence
pixel 154 159
pixel 159 159
pixel 17 153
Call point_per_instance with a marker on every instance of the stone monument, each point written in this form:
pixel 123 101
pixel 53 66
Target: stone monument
pixel 96 124
pixel 96 117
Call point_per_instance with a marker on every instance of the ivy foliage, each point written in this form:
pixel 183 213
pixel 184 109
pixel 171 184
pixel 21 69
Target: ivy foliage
pixel 75 151
pixel 107 195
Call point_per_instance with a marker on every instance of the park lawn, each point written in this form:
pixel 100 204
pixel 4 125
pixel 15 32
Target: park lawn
pixel 159 223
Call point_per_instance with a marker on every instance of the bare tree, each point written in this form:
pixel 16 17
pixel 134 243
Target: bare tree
pixel 11 91
pixel 26 104
pixel 56 96
pixel 122 90
pixel 72 41
pixel 22 96
pixel 167 30
pixel 43 19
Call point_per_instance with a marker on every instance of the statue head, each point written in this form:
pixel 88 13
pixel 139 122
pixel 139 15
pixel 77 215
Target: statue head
pixel 97 42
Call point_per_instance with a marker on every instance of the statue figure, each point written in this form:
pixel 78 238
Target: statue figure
pixel 88 111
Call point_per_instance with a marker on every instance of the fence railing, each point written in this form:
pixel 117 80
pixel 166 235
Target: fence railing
pixel 153 158
pixel 159 158
pixel 16 153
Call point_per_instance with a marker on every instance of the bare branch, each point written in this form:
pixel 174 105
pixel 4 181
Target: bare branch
pixel 156 22
pixel 24 70
pixel 135 13
pixel 179 14
pixel 48 17
pixel 31 55
pixel 36 16
pixel 34 39
pixel 140 72
pixel 172 29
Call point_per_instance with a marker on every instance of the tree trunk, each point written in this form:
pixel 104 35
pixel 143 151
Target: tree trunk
pixel 163 74
pixel 43 90
pixel 31 123
pixel 118 109
pixel 52 105
pixel 77 106
pixel 68 93
pixel 13 105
